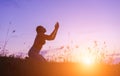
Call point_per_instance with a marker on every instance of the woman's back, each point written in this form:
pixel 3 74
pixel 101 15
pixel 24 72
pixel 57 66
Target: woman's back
pixel 39 41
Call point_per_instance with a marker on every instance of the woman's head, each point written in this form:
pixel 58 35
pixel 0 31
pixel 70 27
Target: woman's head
pixel 40 29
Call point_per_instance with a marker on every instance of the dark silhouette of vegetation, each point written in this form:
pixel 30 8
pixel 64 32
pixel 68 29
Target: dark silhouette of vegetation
pixel 11 66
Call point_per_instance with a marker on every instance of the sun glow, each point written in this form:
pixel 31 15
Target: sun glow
pixel 87 60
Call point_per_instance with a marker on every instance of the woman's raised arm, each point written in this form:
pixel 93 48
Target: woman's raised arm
pixel 53 34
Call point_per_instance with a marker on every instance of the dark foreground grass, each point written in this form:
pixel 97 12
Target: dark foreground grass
pixel 10 66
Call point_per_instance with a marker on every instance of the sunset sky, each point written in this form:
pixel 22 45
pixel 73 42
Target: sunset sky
pixel 81 23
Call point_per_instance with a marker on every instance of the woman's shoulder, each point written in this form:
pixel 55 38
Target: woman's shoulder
pixel 41 35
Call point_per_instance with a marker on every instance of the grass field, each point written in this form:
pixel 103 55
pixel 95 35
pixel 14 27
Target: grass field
pixel 10 66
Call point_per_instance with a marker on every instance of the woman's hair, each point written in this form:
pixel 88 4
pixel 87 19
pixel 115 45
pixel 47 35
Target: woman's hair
pixel 40 29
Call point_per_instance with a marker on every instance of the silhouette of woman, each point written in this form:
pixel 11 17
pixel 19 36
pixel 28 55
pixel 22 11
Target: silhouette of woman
pixel 39 41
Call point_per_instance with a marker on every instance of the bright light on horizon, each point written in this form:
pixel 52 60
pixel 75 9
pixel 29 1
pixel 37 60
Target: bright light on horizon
pixel 88 60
